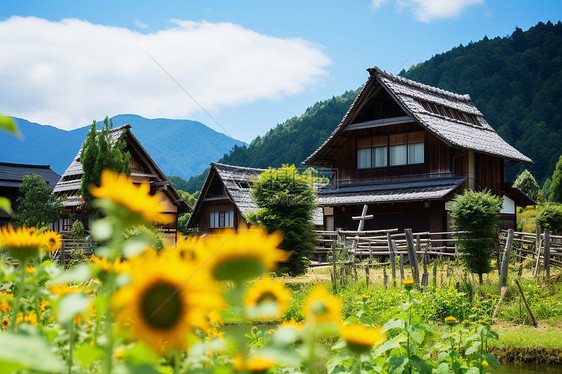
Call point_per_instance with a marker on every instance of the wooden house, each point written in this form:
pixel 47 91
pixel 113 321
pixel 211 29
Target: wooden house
pixel 143 170
pixel 226 199
pixel 11 177
pixel 405 149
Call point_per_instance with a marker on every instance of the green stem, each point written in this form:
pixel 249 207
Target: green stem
pixel 17 300
pixel 408 331
pixel 109 327
pixel 71 343
pixel 481 353
pixel 357 369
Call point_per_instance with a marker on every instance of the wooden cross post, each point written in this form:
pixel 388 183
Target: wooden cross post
pixel 362 218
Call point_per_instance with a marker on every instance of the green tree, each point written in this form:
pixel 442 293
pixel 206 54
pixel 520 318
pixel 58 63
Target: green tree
pixel 190 199
pixel 287 202
pixel 37 206
pixel 549 216
pixel 527 183
pixel 555 190
pixel 101 151
pixel 477 215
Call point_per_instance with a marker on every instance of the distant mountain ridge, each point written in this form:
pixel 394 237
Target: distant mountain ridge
pixel 179 147
pixel 515 81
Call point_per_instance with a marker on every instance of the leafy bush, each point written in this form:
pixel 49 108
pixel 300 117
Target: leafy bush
pixel 549 216
pixel 476 214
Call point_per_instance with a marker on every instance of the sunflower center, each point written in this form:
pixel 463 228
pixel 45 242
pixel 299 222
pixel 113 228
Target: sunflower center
pixel 267 297
pixel 52 241
pixel 161 306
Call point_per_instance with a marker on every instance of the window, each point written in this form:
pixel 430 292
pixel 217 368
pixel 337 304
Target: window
pixel 380 157
pixel 398 154
pixel 363 158
pixel 222 219
pixel 415 153
pixel 405 149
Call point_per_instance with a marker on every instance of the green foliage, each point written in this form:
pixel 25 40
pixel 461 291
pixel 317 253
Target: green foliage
pixel 549 216
pixel 101 152
pixel 287 202
pixel 179 183
pixel 555 190
pixel 516 82
pixel 476 214
pixel 37 206
pixel 195 183
pixel 527 183
pixel 190 199
pixel 546 189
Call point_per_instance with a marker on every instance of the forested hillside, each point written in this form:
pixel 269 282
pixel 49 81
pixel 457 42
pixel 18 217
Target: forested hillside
pixel 515 81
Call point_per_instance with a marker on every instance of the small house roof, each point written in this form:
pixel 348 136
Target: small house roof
pixel 11 174
pixel 389 192
pixel 451 117
pixel 71 181
pixel 237 181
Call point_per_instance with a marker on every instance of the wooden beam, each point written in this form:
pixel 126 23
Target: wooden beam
pixel 379 123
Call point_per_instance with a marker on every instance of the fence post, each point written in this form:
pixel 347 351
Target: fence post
pixel 547 254
pixel 367 275
pixel 393 260
pixel 536 270
pixel 385 277
pixel 412 256
pixel 505 260
pixel 401 267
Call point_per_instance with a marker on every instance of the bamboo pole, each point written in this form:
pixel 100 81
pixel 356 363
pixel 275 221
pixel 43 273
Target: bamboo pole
pixel 505 259
pixel 547 254
pixel 525 301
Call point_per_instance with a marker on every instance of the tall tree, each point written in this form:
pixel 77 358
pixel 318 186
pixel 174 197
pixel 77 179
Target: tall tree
pixel 287 202
pixel 37 206
pixel 555 190
pixel 102 151
pixel 527 183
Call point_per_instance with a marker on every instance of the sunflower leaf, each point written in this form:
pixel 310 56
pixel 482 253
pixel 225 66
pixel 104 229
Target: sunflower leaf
pixel 71 305
pixel 9 124
pixel 5 205
pixel 86 354
pixel 19 352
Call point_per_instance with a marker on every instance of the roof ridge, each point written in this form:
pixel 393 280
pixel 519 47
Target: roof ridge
pixel 236 167
pixel 25 165
pixel 425 87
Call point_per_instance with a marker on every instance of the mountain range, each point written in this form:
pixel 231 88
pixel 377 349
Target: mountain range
pixel 515 81
pixel 179 147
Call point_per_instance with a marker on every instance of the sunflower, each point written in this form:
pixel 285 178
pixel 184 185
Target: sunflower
pixel 360 338
pixel 23 243
pixel 239 256
pixel 188 249
pixel 5 323
pixel 53 240
pixel 165 300
pixel 259 364
pixel 121 190
pixel 322 307
pixel 408 283
pixel 267 299
pixel 451 320
pixel 293 324
pixel 30 318
pixel 105 265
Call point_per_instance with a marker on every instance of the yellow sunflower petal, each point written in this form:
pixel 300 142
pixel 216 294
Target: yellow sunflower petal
pixel 165 300
pixel 22 243
pixel 360 338
pixel 322 307
pixel 267 299
pixel 121 190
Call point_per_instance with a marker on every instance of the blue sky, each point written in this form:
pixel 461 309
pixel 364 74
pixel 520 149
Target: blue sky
pixel 240 67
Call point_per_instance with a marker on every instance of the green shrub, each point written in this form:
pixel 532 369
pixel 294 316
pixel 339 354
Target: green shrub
pixel 549 216
pixel 476 214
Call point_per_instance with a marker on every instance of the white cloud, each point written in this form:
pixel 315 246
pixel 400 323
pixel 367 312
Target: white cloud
pixel 70 72
pixel 430 10
pixel 375 4
pixel 140 24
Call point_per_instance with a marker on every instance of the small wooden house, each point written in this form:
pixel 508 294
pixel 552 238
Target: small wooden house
pixel 143 170
pixel 11 177
pixel 405 149
pixel 226 199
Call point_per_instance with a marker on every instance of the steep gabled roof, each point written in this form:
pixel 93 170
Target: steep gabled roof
pixel 11 174
pixel 71 181
pixel 451 117
pixel 237 181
